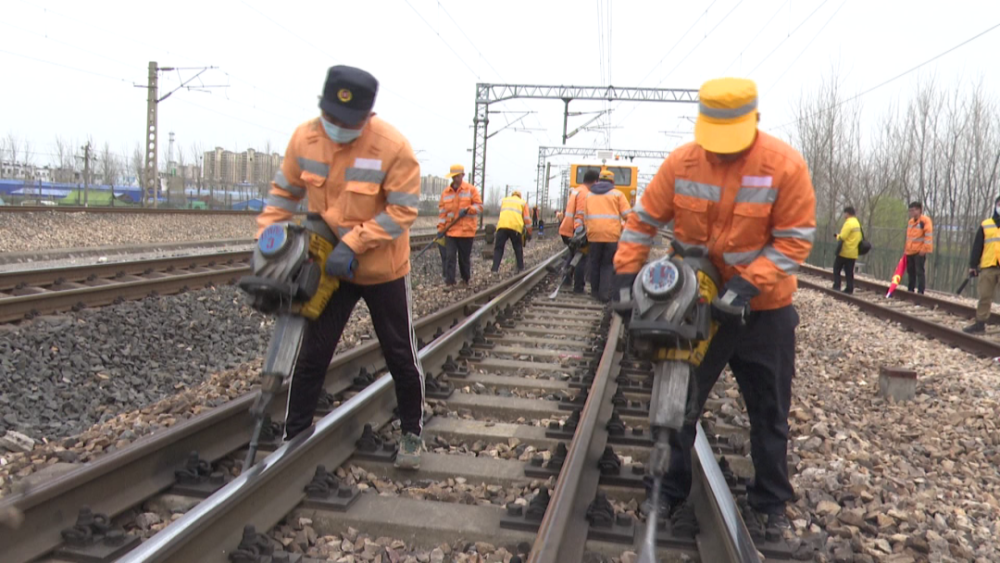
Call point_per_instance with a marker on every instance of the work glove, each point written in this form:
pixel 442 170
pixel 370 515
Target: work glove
pixel 973 273
pixel 463 213
pixel 341 262
pixel 733 305
pixel 527 235
pixel 622 304
pixel 579 230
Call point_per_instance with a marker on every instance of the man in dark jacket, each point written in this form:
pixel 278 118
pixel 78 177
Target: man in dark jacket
pixel 984 263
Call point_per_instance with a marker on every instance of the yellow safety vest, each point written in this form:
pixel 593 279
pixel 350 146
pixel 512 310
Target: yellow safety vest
pixel 850 234
pixel 991 244
pixel 512 212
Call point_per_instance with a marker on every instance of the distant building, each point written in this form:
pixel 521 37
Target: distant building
pixel 250 166
pixel 20 171
pixel 432 186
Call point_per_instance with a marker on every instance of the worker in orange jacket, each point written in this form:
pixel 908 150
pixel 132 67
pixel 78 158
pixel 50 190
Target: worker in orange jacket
pixel 360 174
pixel 919 243
pixel 604 209
pixel 459 201
pixel 572 219
pixel 745 198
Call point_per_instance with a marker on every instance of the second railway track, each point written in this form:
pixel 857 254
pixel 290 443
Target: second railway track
pixel 505 367
pixel 28 293
pixel 940 318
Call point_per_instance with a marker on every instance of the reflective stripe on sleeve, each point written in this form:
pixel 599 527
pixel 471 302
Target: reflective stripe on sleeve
pixel 697 189
pixel 282 182
pixel 629 235
pixel 390 225
pixel 645 217
pixel 801 233
pixel 402 198
pixel 313 166
pixel 740 258
pixel 783 262
pixel 282 203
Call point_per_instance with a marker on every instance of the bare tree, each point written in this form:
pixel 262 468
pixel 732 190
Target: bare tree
pixel 138 168
pixel 197 157
pixel 12 149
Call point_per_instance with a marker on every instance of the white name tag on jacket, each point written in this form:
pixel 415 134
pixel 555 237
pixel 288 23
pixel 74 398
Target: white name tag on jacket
pixel 368 163
pixel 757 181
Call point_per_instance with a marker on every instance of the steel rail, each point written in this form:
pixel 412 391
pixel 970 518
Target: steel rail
pixel 121 480
pixel 16 308
pixel 266 493
pixel 562 534
pixel 41 277
pixel 921 299
pixel 957 338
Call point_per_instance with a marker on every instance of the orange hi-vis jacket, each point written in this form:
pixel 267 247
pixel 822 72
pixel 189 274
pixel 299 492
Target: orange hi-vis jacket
pixel 367 191
pixel 604 209
pixel 574 210
pixel 755 216
pixel 919 236
pixel 452 202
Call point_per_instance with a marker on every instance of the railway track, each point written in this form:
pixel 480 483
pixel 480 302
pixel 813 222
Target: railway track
pixel 507 368
pixel 144 210
pixel 28 293
pixel 939 318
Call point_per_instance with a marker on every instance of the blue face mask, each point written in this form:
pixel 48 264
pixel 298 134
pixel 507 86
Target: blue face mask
pixel 340 135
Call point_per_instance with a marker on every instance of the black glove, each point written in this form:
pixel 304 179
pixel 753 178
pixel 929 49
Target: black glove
pixel 622 282
pixel 733 304
pixel 973 273
pixel 463 212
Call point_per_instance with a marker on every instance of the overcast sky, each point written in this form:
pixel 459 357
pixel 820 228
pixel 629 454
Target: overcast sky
pixel 429 54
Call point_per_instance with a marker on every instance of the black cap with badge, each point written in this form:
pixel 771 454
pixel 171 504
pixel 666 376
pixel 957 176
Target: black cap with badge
pixel 349 94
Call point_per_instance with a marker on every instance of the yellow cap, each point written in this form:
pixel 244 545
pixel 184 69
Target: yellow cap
pixel 516 193
pixel 727 115
pixel 456 169
pixel 607 175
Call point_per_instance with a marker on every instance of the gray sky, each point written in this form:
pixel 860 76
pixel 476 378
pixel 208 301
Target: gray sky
pixel 274 57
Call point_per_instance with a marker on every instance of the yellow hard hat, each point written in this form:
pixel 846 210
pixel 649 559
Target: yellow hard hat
pixel 456 169
pixel 727 115
pixel 516 193
pixel 607 175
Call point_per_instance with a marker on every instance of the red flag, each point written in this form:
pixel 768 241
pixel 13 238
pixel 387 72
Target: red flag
pixel 900 268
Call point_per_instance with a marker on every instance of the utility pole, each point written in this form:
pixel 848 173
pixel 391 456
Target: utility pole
pixel 86 174
pixel 151 181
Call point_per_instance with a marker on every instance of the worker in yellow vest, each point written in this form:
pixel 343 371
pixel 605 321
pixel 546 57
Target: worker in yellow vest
pixel 847 250
pixel 985 264
pixel 512 225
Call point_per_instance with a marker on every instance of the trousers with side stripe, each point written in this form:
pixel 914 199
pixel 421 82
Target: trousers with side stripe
pixel 390 306
pixel 762 357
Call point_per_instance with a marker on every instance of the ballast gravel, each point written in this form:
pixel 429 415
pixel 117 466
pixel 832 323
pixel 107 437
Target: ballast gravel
pixel 87 383
pixel 23 232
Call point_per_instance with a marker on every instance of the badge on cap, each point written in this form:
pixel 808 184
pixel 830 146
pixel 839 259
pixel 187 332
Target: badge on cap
pixel 344 95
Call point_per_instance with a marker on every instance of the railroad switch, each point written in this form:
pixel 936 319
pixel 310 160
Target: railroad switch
pixel 526 518
pixel 197 478
pixel 92 539
pixel 325 492
pixel 372 447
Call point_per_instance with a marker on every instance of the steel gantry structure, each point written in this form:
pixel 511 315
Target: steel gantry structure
pixel 487 94
pixel 542 184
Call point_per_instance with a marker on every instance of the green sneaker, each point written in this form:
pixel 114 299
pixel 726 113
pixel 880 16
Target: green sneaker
pixel 408 455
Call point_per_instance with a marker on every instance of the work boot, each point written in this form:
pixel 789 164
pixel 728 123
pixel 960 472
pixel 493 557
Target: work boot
pixel 975 328
pixel 769 526
pixel 408 455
